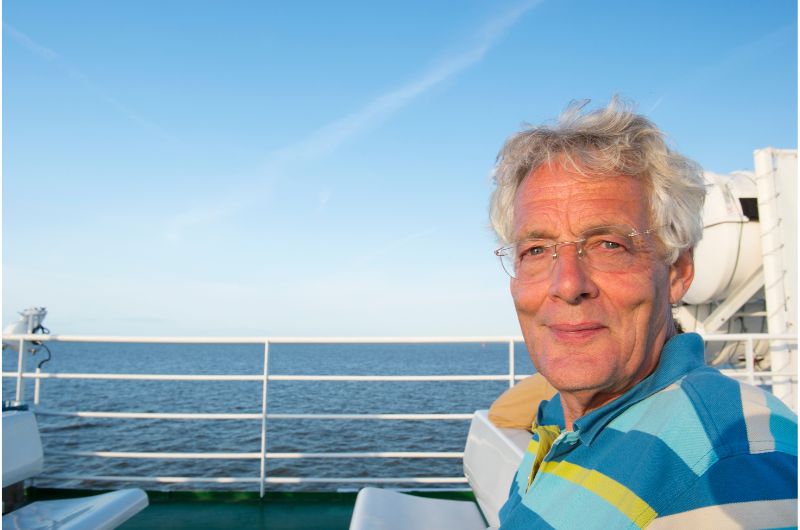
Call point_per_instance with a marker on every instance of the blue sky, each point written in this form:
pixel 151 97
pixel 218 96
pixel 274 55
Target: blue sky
pixel 265 168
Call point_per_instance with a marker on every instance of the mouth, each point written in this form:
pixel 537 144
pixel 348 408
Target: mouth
pixel 575 332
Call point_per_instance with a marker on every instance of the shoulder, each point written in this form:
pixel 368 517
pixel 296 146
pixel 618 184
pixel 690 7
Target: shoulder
pixel 706 416
pixel 737 417
pixel 718 445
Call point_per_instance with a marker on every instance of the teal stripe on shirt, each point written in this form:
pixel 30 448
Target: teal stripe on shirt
pixel 557 500
pixel 669 415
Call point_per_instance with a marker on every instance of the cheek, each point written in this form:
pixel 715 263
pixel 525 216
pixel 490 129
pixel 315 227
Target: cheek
pixel 527 297
pixel 637 305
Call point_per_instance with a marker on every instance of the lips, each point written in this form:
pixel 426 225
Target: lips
pixel 579 331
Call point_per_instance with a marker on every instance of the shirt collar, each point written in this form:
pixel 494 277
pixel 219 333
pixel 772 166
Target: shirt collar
pixel 680 355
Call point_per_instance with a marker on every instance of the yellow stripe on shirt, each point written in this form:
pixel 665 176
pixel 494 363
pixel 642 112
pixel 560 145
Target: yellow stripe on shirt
pixel 605 487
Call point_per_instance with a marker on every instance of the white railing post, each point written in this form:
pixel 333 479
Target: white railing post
pixel 511 364
pixel 264 420
pixel 36 385
pixel 750 361
pixel 20 368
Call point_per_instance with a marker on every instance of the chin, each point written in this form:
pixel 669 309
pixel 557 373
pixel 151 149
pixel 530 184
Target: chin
pixel 572 385
pixel 574 375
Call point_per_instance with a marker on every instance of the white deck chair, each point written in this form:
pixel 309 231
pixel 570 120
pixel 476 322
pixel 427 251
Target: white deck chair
pixel 23 459
pixel 491 457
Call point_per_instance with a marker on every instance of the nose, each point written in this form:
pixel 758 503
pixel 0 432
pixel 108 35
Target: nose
pixel 569 280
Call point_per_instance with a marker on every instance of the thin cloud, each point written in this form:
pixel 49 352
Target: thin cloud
pixel 50 55
pixel 37 49
pixel 655 105
pixel 329 137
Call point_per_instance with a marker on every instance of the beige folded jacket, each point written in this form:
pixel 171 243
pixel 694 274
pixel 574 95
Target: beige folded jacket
pixel 516 407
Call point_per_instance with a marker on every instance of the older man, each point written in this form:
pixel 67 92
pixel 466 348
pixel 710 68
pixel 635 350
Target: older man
pixel 599 218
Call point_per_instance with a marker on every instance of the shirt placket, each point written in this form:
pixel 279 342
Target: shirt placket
pixel 564 443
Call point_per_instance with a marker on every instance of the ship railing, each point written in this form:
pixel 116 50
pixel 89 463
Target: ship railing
pixel 749 373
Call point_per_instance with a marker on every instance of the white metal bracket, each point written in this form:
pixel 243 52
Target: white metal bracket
pixel 729 307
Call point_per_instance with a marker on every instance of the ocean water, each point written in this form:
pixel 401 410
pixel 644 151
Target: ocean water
pixel 89 434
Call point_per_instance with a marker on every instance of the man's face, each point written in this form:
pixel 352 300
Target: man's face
pixel 591 332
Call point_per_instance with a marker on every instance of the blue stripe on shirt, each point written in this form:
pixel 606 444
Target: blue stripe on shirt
pixel 724 425
pixel 742 478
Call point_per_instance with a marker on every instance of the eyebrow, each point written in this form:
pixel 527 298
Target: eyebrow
pixel 545 234
pixel 535 234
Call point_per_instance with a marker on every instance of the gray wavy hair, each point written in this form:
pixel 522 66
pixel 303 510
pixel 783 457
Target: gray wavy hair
pixel 609 141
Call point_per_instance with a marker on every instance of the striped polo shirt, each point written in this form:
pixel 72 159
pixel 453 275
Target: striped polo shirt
pixel 687 447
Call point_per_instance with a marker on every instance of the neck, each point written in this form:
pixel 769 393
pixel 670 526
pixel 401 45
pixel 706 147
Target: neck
pixel 578 404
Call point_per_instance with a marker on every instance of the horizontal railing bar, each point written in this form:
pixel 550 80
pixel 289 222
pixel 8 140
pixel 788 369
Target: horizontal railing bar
pixel 416 489
pixel 748 336
pixel 741 373
pixel 185 377
pixel 255 456
pixel 142 340
pixel 388 378
pixel 383 454
pixel 262 340
pixel 154 456
pixel 270 480
pixel 150 415
pixel 120 478
pixel 392 340
pixel 246 416
pixel 362 480
pixel 345 340
pixel 140 377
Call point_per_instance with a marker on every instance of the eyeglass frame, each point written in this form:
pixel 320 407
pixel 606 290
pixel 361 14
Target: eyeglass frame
pixel 503 252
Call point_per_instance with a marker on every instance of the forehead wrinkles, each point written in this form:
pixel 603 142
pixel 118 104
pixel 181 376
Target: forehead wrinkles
pixel 551 200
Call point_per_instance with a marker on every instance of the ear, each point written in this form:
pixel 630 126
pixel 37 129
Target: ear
pixel 681 274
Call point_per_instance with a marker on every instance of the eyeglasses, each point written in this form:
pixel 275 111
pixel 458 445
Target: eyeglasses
pixel 605 248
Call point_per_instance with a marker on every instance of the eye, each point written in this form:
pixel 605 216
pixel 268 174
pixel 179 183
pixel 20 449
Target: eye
pixel 608 243
pixel 535 251
pixel 532 249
